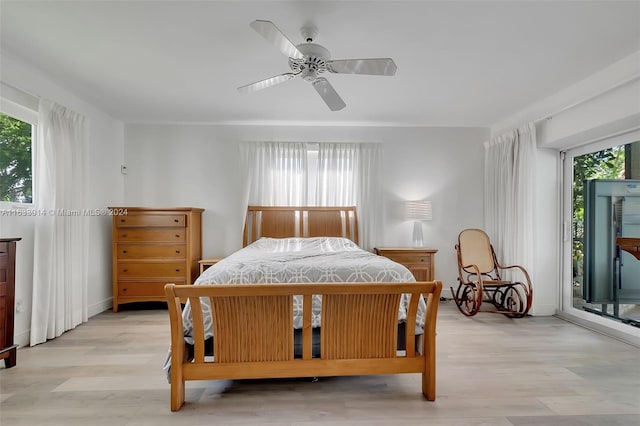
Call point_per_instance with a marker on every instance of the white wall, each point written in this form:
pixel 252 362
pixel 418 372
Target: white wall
pixel 545 271
pixel 199 166
pixel 105 186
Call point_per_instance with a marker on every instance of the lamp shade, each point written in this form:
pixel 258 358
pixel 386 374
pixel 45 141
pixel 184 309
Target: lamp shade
pixel 419 210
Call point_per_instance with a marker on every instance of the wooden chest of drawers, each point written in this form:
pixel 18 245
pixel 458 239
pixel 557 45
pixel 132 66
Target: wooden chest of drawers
pixel 418 260
pixel 152 247
pixel 7 298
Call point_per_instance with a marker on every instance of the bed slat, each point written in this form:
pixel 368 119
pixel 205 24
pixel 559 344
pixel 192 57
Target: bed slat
pixel 410 332
pixel 198 329
pixel 359 326
pixel 252 329
pixel 307 331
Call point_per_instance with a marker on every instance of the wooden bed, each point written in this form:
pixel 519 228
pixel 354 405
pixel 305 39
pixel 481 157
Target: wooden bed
pixel 282 222
pixel 359 330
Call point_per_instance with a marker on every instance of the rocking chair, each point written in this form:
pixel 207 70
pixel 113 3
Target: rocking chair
pixel 480 279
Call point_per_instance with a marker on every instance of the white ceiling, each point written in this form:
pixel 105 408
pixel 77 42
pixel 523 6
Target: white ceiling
pixel 459 63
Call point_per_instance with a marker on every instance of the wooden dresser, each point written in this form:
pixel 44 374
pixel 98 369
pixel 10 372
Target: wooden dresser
pixel 153 247
pixel 420 261
pixel 8 350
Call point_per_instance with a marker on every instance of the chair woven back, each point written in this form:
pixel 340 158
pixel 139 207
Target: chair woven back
pixel 475 249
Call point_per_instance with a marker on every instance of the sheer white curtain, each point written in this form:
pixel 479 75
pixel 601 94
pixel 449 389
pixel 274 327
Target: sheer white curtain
pixel 509 194
pixel 350 175
pixel 347 175
pixel 276 173
pixel 60 248
pixel 336 182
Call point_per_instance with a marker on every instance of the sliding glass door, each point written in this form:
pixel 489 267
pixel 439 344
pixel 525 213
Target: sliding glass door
pixel 601 209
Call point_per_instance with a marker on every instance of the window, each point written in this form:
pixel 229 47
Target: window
pixel 324 174
pixel 16 178
pixel 602 190
pixel 18 125
pixel 300 174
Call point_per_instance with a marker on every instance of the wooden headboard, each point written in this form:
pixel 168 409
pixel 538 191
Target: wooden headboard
pixel 283 222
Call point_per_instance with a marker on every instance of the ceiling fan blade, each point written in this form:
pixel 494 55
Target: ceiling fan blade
pixel 273 35
pixel 267 82
pixel 374 66
pixel 328 94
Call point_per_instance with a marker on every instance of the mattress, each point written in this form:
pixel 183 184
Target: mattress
pixel 302 260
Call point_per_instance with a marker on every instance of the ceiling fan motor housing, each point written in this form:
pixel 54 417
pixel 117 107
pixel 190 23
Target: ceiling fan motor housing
pixel 314 61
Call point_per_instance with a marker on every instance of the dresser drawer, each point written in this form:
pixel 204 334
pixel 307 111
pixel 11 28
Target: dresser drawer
pixel 151 269
pixel 151 235
pixel 3 319
pixel 4 262
pixel 408 258
pixel 151 220
pixel 420 273
pixel 4 302
pixel 144 288
pixel 418 260
pixel 146 251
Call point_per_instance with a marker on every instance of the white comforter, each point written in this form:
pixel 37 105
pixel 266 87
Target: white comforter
pixel 302 260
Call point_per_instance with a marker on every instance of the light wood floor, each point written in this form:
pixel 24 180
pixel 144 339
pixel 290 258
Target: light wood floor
pixel 491 371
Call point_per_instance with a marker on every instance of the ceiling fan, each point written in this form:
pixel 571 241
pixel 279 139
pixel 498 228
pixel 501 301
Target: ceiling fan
pixel 308 60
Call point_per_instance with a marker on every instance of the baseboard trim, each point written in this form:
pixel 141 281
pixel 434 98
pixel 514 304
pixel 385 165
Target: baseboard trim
pixel 99 307
pixel 543 310
pixel 22 339
pixel 628 338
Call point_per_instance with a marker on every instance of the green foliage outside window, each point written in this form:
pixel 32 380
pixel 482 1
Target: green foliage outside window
pixel 15 160
pixel 605 164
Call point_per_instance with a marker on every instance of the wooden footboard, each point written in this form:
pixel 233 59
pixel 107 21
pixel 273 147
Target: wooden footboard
pixel 253 332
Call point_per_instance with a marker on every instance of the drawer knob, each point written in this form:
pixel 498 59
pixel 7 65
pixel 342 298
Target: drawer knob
pixel 124 251
pixel 176 220
pixel 177 270
pixel 177 236
pixel 122 220
pixel 125 270
pixel 124 235
pixel 421 260
pixel 177 251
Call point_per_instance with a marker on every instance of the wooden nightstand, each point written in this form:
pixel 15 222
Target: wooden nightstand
pixel 205 263
pixel 419 260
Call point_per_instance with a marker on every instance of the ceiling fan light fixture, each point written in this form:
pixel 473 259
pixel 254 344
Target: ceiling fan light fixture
pixel 309 74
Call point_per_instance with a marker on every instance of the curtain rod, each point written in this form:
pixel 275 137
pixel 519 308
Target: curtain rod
pixel 588 98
